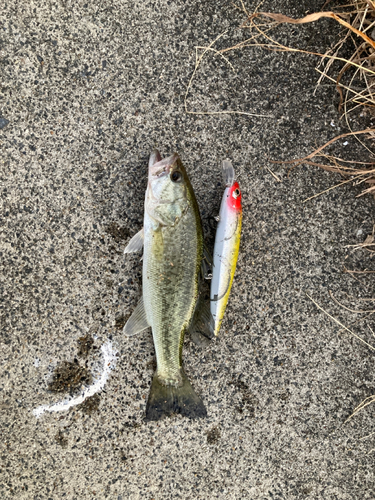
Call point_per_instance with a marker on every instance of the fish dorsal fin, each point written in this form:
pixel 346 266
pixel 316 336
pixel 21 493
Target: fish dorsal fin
pixel 136 243
pixel 137 321
pixel 202 325
pixel 228 173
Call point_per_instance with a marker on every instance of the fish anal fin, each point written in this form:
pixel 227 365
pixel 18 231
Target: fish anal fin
pixel 202 325
pixel 136 243
pixel 199 338
pixel 137 321
pixel 165 400
pixel 207 255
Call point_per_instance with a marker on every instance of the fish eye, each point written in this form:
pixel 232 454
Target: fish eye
pixel 176 176
pixel 236 193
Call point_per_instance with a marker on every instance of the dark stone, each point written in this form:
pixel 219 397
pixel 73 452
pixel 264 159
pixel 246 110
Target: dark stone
pixel 213 435
pixel 85 345
pixel 117 232
pixel 61 439
pixel 3 122
pixel 90 405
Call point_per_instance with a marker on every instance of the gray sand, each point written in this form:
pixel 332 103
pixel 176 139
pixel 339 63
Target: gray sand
pixel 87 90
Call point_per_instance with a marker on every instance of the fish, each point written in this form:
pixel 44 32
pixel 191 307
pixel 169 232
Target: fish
pixel 173 249
pixel 227 245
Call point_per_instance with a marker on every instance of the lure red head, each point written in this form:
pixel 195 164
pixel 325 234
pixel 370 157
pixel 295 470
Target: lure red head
pixel 234 197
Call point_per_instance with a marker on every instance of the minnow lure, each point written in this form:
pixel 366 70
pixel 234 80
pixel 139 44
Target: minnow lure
pixel 227 244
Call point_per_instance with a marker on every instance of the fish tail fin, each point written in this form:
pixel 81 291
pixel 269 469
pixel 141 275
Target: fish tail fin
pixel 164 400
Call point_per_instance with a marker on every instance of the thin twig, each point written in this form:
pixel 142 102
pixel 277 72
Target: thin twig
pixel 339 323
pixel 361 406
pixel 326 191
pixel 314 17
pixel 217 52
pixel 347 308
pixel 366 437
pixel 358 272
pixel 273 174
pixel 198 61
pixel 318 150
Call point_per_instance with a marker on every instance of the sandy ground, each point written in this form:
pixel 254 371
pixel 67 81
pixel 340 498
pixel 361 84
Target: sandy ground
pixel 87 90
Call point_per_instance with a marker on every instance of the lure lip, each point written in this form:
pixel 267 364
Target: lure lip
pixel 228 173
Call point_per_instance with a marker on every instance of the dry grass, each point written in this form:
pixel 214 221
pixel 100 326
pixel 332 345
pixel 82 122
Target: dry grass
pixel 359 23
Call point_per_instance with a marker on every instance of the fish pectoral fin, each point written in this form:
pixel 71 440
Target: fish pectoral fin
pixel 137 321
pixel 206 264
pixel 136 243
pixel 206 270
pixel 202 326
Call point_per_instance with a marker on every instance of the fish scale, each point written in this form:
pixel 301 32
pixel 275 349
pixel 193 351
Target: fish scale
pixel 172 298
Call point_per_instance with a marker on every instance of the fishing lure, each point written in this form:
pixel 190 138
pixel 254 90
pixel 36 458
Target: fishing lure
pixel 227 244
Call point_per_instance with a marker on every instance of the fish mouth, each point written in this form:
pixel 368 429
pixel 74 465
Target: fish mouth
pixel 158 167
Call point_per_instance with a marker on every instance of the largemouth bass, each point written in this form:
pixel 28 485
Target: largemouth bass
pixel 173 249
pixel 227 245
